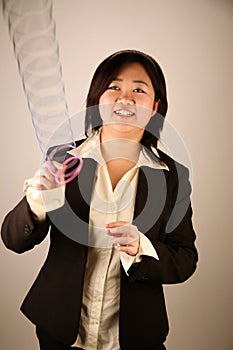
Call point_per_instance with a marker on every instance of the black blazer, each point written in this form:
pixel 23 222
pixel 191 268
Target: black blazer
pixel 162 212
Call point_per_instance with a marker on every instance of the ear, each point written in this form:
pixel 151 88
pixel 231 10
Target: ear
pixel 156 106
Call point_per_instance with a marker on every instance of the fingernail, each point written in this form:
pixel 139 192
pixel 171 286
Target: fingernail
pixel 117 245
pixel 113 230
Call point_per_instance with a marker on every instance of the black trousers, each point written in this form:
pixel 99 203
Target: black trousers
pixel 47 343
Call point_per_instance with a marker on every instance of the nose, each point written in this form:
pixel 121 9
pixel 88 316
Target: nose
pixel 125 97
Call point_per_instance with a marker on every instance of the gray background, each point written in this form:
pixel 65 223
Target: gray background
pixel 192 40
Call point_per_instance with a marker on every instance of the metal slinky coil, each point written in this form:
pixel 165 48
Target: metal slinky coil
pixel 33 32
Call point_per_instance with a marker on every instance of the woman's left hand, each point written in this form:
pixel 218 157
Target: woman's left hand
pixel 125 236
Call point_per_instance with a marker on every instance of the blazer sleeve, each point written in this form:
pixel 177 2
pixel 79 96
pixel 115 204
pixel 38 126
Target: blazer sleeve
pixel 19 231
pixel 175 241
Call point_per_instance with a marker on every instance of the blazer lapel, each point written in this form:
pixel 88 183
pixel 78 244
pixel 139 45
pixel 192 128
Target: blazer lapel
pixel 150 198
pixel 77 203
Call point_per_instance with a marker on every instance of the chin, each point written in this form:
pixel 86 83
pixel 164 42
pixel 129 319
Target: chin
pixel 127 131
pixel 125 127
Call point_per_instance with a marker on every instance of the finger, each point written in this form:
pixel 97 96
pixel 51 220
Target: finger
pixel 118 232
pixel 130 250
pixel 49 174
pixel 46 174
pixel 116 224
pixel 40 183
pixel 58 171
pixel 53 166
pixel 113 234
pixel 60 176
pixel 36 183
pixel 124 241
pixel 127 230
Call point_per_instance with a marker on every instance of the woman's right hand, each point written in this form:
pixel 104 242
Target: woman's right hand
pixel 39 197
pixel 44 178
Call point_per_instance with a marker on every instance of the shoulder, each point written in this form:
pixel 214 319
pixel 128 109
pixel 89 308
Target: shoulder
pixel 178 175
pixel 173 165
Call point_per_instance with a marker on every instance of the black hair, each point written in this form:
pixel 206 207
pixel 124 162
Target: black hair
pixel 104 75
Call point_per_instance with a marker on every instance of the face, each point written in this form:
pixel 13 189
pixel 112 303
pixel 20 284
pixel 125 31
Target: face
pixel 128 104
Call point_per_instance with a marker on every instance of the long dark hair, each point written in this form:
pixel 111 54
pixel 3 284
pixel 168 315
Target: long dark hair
pixel 104 75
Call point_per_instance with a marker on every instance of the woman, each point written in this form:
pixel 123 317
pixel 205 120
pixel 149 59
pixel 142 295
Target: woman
pixel 123 228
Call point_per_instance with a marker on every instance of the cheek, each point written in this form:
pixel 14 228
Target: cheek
pixel 106 97
pixel 145 101
pixel 105 110
pixel 144 118
pixel 101 100
pixel 144 114
pixel 106 103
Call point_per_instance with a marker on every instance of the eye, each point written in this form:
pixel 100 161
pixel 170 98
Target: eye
pixel 138 90
pixel 113 87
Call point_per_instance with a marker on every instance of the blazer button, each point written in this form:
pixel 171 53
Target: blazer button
pixel 138 278
pixel 143 278
pixel 27 229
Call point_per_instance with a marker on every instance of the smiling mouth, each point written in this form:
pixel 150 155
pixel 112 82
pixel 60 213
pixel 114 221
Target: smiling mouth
pixel 124 113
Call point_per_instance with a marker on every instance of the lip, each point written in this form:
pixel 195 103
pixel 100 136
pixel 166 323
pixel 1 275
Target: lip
pixel 124 113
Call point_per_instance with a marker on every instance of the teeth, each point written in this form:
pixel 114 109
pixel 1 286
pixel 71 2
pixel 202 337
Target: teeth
pixel 124 112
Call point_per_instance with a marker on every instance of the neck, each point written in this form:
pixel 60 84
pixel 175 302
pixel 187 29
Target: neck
pixel 117 131
pixel 119 147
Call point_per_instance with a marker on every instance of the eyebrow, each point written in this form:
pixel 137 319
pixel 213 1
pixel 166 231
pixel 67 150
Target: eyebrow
pixel 134 81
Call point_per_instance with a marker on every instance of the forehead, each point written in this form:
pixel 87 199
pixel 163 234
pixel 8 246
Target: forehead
pixel 133 71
